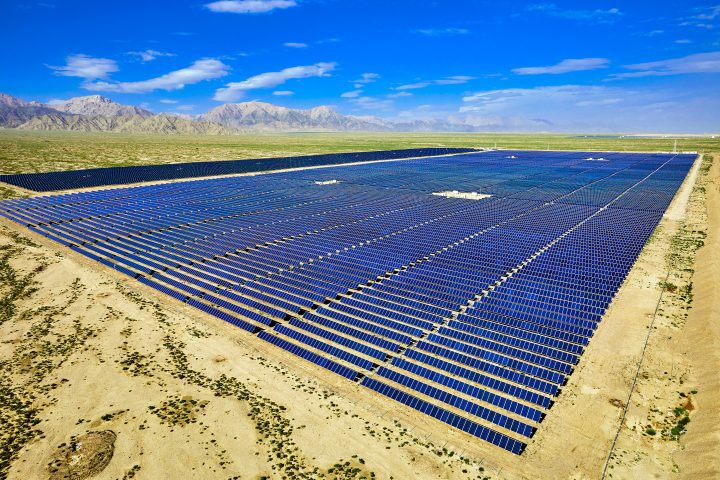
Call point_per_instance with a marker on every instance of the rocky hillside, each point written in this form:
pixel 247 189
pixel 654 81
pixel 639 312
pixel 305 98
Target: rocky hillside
pixel 97 105
pixel 265 116
pixel 15 112
pixel 95 113
pixel 165 124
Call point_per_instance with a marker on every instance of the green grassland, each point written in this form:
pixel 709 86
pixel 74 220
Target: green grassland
pixel 22 152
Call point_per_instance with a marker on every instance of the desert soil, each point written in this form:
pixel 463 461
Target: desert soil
pixel 85 351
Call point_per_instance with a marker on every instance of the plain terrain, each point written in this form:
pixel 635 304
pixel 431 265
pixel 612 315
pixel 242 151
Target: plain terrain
pixel 94 365
pixel 22 152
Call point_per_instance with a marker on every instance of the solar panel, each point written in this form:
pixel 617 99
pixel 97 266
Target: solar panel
pixel 472 311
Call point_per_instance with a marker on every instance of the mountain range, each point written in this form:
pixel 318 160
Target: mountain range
pixel 96 113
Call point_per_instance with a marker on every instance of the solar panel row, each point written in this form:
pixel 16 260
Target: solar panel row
pixel 99 177
pixel 472 311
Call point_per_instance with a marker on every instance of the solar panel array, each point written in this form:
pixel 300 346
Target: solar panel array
pixel 100 177
pixel 474 312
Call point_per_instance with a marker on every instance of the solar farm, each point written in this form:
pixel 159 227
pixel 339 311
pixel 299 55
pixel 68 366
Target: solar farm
pixel 465 285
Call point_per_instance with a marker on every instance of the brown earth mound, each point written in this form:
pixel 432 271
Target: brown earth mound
pixel 84 457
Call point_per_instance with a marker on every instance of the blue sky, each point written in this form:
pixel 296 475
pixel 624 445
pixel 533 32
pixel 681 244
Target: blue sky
pixel 564 66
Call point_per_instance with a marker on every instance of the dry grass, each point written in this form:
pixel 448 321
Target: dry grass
pixel 22 152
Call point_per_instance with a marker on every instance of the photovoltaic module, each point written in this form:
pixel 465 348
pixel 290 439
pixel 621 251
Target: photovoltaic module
pixel 465 286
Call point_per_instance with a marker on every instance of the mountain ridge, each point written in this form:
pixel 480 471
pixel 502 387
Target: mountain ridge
pixel 97 105
pixel 96 113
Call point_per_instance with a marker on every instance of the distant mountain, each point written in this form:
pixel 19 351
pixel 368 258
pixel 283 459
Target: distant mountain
pixel 164 124
pixel 265 116
pixel 97 105
pixel 95 113
pixel 14 111
pixel 8 101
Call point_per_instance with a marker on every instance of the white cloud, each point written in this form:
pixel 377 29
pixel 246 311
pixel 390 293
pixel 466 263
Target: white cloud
pixel 352 94
pixel 438 32
pixel 372 103
pixel 283 93
pixel 490 101
pixel 413 86
pixel 452 80
pixel 185 108
pixel 150 55
pixel 683 41
pixel 249 6
pixel 168 101
pixel 400 94
pixel 705 17
pixel 696 63
pixel 235 90
pixel 199 71
pixel 552 9
pixel 365 78
pixel 55 101
pixel 711 13
pixel 295 45
pixel 84 66
pixel 599 108
pixel 565 66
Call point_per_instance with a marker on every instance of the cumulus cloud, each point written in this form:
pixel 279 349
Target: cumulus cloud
pixel 249 6
pixel 440 32
pixel 283 93
pixel 235 90
pixel 168 101
pixel 696 63
pixel 150 55
pixel 565 66
pixel 199 71
pixel 84 66
pixel 295 45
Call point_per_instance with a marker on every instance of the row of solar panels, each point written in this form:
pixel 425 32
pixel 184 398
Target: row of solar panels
pixel 98 177
pixel 473 310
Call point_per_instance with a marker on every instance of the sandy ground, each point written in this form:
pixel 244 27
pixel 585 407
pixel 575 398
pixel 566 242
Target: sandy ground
pixel 84 350
pixel 701 455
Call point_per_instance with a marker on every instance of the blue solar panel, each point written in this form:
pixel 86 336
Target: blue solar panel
pixel 96 177
pixel 474 312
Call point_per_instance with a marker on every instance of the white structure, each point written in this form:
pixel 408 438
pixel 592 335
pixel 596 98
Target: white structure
pixel 465 195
